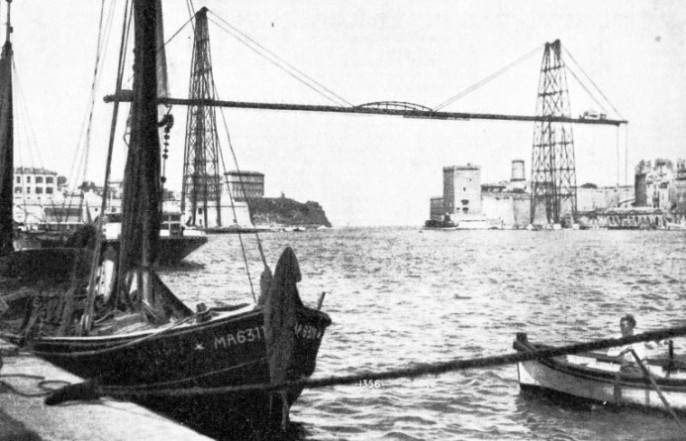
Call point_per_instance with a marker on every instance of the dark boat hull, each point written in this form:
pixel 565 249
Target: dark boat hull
pixel 173 249
pixel 225 351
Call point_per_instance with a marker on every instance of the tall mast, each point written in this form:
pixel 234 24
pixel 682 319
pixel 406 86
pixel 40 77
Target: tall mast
pixel 8 31
pixel 141 210
pixel 6 144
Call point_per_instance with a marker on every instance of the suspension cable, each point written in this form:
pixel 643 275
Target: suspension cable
pixel 494 75
pixel 280 63
pixel 592 82
pixel 586 89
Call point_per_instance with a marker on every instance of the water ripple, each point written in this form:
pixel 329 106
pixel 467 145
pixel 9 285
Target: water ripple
pixel 399 298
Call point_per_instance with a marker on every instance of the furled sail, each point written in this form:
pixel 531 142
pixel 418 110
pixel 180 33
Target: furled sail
pixel 6 150
pixel 141 215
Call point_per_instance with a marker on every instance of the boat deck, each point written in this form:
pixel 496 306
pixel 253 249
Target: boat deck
pixel 28 418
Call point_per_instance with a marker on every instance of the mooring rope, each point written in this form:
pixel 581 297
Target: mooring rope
pixel 415 371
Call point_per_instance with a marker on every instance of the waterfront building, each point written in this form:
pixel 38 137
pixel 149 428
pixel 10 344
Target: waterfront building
pixel 680 190
pixel 462 190
pixel 656 199
pixel 245 184
pixel 35 183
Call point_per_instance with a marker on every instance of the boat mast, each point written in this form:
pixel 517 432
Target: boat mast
pixel 141 206
pixel 6 144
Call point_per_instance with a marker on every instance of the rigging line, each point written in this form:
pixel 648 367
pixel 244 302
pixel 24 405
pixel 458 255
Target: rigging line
pixel 191 12
pixel 96 74
pixel 164 45
pixel 233 207
pixel 486 80
pixel 240 177
pixel 27 213
pixel 83 147
pixel 245 38
pixel 126 28
pixel 28 128
pixel 626 155
pixel 592 82
pixel 619 163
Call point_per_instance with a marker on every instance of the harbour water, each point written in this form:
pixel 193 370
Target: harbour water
pixel 399 296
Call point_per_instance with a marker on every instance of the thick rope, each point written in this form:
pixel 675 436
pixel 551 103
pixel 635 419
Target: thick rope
pixel 409 372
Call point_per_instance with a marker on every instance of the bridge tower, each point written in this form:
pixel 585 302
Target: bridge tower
pixel 201 188
pixel 553 172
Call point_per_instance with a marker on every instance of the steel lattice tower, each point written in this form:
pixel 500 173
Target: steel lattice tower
pixel 201 179
pixel 553 172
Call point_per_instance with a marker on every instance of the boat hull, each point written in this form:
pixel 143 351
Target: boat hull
pixel 226 351
pixel 173 249
pixel 593 378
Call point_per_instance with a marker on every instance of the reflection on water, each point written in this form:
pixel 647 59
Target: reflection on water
pixel 401 296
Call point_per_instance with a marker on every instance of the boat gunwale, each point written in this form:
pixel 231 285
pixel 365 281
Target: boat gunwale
pixel 173 329
pixel 604 376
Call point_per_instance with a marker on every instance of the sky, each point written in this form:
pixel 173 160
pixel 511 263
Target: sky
pixel 366 170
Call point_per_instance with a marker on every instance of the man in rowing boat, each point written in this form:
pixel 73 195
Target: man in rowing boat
pixel 629 365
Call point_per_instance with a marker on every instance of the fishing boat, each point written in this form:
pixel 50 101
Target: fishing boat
pixel 592 378
pixel 444 225
pixel 107 317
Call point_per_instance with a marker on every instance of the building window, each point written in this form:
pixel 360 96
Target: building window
pixel 39 190
pixel 17 190
pixel 28 190
pixel 39 179
pixel 464 188
pixel 48 190
pixel 465 209
pixel 465 201
pixel 49 180
pixel 18 180
pixel 28 179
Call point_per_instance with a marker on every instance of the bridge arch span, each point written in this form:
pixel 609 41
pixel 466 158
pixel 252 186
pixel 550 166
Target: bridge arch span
pixel 395 105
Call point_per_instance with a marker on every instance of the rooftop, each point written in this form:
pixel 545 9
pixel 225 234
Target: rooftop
pixel 33 171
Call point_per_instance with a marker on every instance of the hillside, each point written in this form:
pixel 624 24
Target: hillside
pixel 286 212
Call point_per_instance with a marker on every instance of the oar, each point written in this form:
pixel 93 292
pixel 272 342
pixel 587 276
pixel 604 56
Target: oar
pixel 650 378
